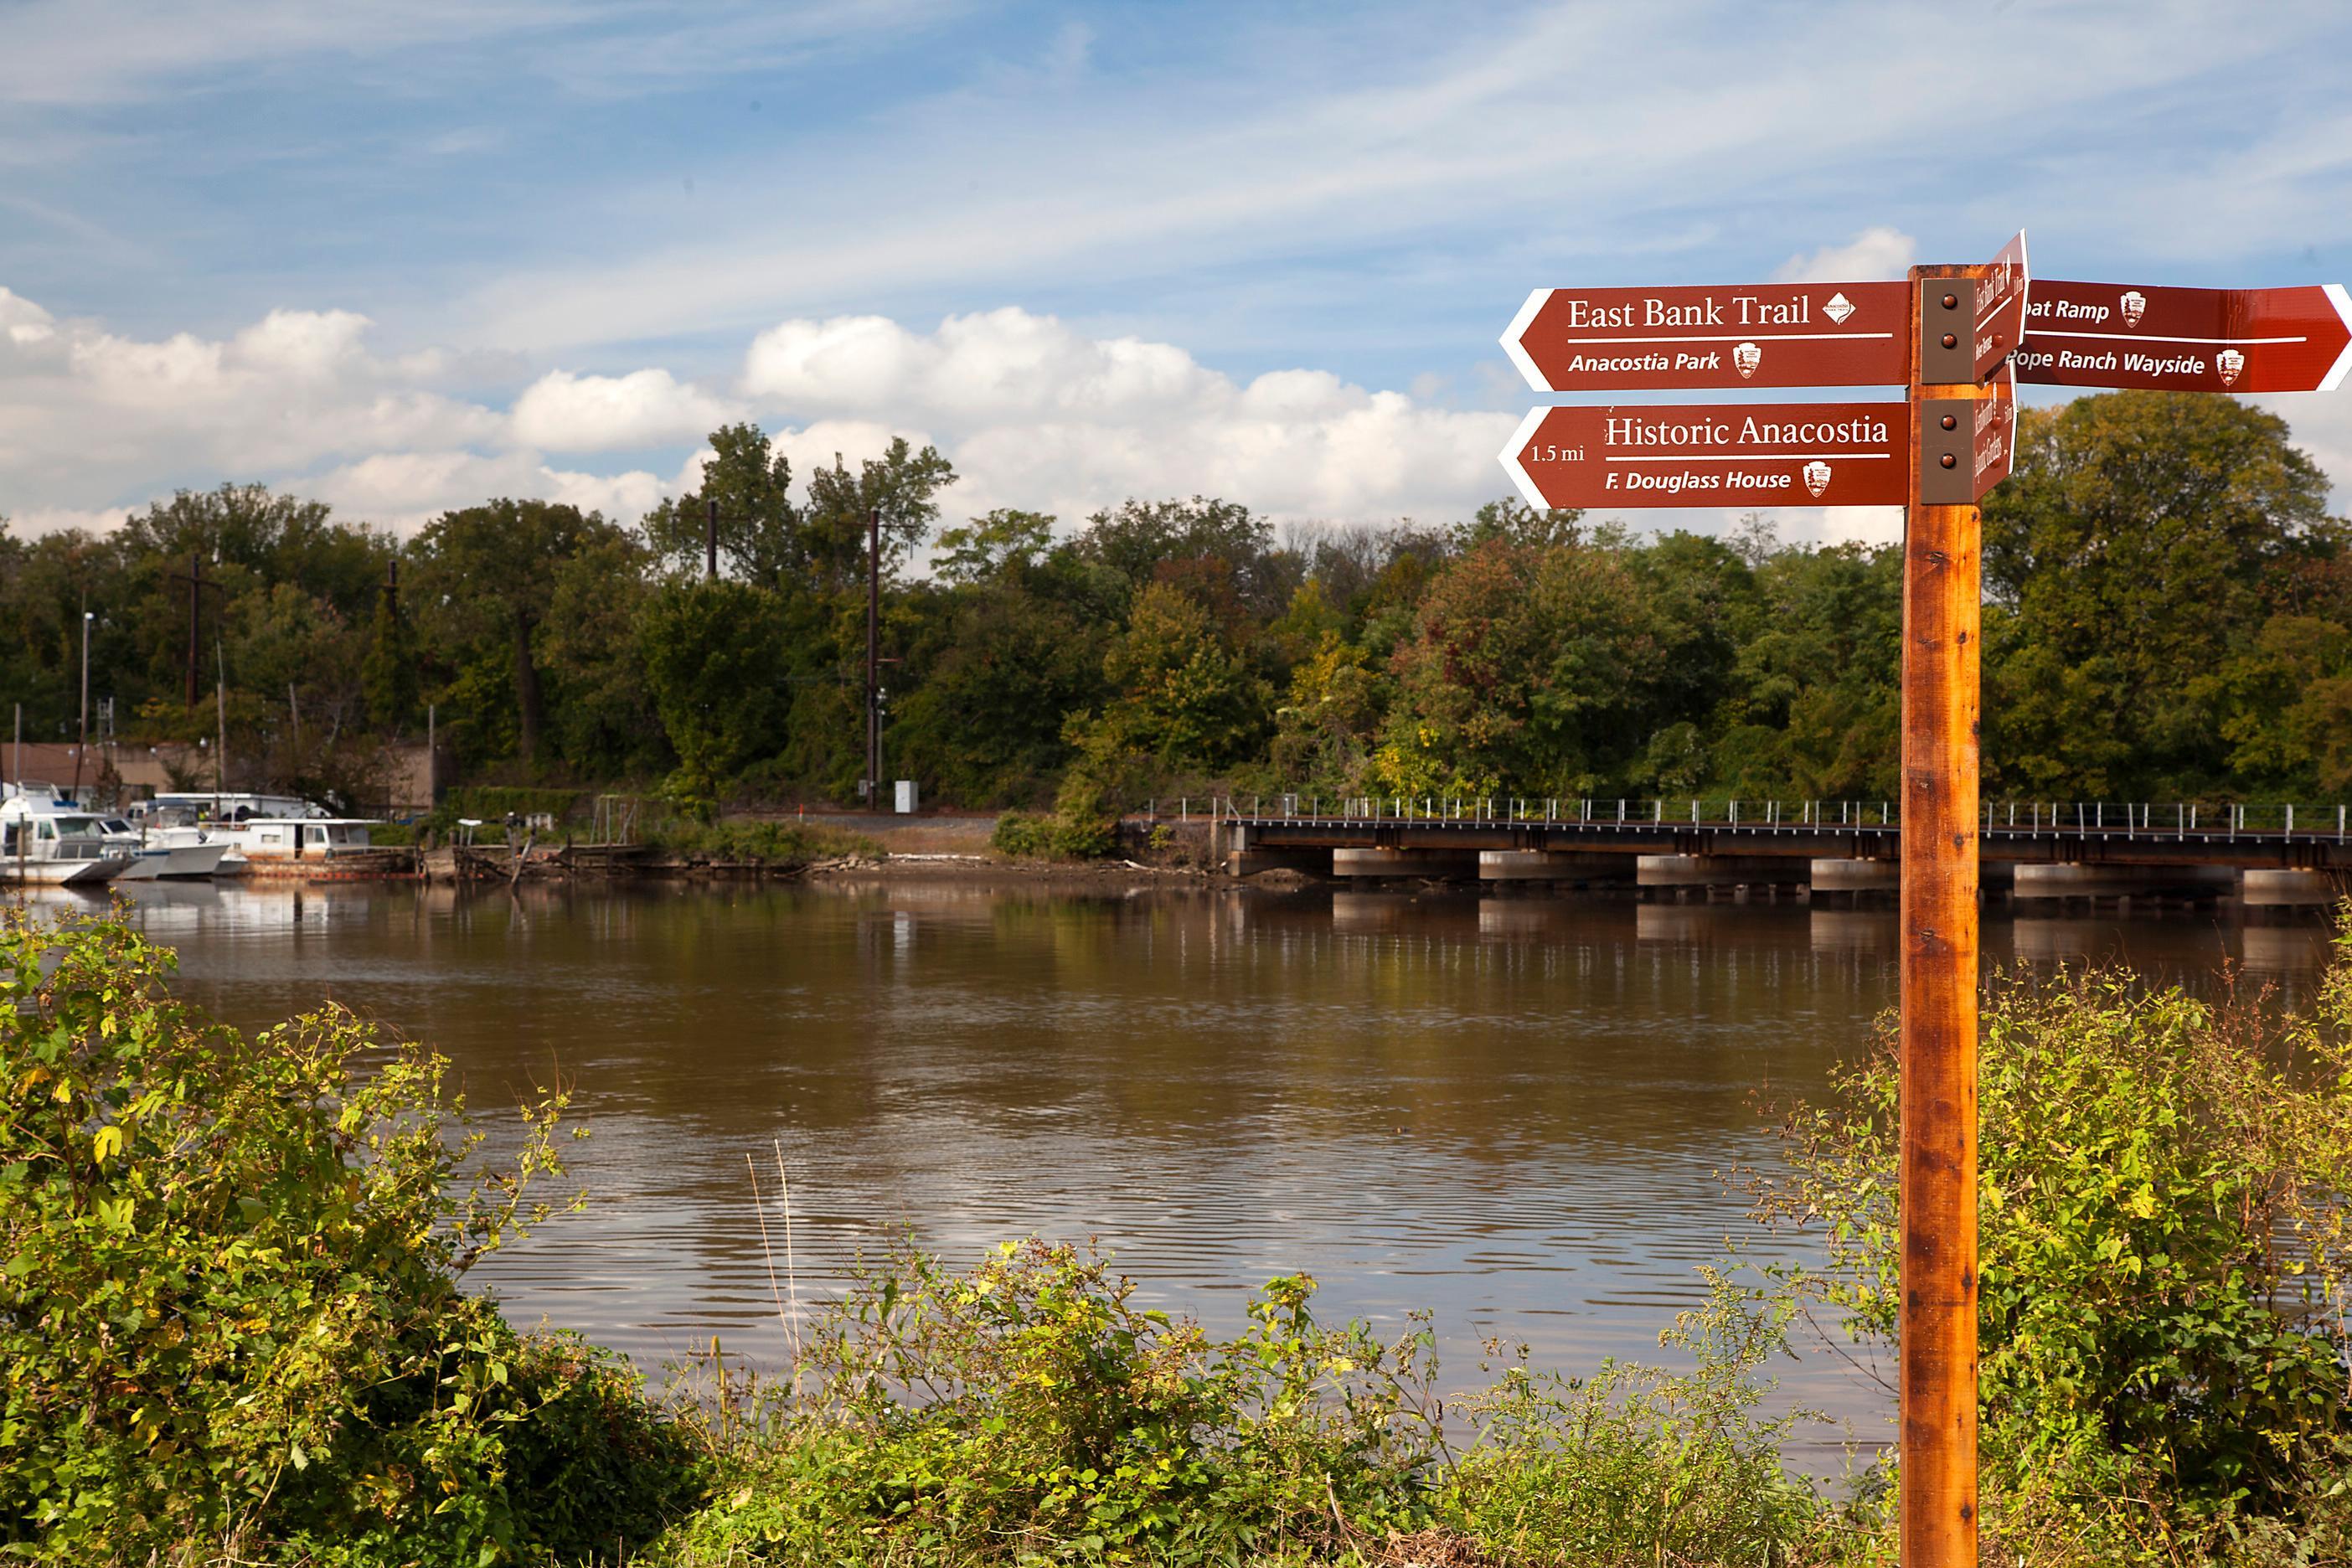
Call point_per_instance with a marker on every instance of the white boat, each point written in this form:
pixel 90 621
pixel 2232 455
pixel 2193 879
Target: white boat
pixel 219 817
pixel 159 848
pixel 43 842
pixel 309 839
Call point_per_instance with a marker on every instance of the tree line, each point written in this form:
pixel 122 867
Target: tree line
pixel 2168 615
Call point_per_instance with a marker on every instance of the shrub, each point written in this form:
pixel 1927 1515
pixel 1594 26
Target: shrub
pixel 743 840
pixel 230 1310
pixel 1085 820
pixel 1030 1408
pixel 2164 1264
pixel 1021 835
pixel 1636 1465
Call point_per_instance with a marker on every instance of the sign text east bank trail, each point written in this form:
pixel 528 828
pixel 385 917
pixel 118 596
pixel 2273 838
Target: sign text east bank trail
pixel 1760 334
pixel 1742 455
pixel 2187 340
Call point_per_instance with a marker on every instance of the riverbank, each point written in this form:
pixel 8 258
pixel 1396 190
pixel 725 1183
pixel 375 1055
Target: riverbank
pixel 1029 1404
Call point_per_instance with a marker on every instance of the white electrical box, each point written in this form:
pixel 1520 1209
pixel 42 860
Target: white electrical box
pixel 906 795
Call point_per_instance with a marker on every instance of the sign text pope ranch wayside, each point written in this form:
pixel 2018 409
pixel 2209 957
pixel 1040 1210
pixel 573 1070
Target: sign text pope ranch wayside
pixel 2187 340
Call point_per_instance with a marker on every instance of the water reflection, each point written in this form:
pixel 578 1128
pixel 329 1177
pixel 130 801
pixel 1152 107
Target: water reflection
pixel 1514 1108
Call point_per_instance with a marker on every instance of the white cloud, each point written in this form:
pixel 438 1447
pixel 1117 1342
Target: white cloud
pixel 565 413
pixel 404 490
pixel 1033 412
pixel 1876 255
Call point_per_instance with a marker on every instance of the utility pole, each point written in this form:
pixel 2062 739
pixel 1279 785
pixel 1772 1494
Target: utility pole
pixel 710 540
pixel 194 579
pixel 81 749
pixel 874 657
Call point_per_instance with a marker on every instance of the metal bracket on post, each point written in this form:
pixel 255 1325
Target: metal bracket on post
pixel 1948 317
pixel 1947 430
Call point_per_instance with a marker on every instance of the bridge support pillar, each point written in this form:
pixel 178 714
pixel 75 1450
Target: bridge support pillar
pixel 1553 866
pixel 1440 863
pixel 1842 876
pixel 2271 887
pixel 2077 879
pixel 1249 862
pixel 1682 872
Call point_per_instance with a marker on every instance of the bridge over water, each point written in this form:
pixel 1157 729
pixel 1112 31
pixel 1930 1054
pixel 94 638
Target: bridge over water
pixel 2266 854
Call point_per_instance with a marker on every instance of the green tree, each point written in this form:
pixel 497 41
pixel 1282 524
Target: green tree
pixel 1002 545
pixel 997 664
pixel 2131 554
pixel 1183 697
pixel 389 676
pixel 714 659
pixel 899 490
pixel 488 574
pixel 759 528
pixel 1138 542
pixel 604 717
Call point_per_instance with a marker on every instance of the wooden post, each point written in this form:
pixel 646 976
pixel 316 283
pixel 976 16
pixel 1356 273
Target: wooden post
pixel 874 658
pixel 1941 705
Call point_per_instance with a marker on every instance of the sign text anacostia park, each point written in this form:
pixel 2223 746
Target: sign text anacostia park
pixel 1739 455
pixel 1756 334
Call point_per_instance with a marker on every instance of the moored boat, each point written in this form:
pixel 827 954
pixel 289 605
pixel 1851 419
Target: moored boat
pixel 315 846
pixel 43 843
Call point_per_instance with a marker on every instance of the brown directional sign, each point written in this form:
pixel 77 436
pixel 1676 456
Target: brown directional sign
pixel 2187 340
pixel 1737 454
pixel 1966 444
pixel 1994 449
pixel 1760 334
pixel 2000 307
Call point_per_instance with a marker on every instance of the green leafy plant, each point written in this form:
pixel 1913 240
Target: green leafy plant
pixel 1638 1465
pixel 2164 1263
pixel 778 844
pixel 1022 834
pixel 1031 1406
pixel 230 1309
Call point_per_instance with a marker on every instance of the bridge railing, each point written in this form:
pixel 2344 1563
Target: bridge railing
pixel 2137 819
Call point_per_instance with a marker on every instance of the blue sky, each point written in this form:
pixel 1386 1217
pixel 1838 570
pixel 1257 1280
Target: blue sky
pixel 406 257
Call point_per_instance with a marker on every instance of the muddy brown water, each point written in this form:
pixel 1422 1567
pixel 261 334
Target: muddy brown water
pixel 1514 1111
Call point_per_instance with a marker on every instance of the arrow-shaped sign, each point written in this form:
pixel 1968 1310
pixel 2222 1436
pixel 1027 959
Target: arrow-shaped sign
pixel 2002 307
pixel 1744 455
pixel 1742 334
pixel 2187 340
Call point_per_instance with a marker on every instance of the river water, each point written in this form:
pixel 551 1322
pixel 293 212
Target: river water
pixel 1518 1111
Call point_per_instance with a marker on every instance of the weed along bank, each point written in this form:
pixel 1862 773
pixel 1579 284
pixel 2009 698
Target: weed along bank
pixel 1958 338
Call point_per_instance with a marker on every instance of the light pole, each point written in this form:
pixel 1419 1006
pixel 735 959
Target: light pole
pixel 81 750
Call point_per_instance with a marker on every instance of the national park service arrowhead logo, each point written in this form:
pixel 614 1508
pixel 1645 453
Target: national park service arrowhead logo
pixel 2135 304
pixel 1817 477
pixel 1837 307
pixel 1745 358
pixel 2230 362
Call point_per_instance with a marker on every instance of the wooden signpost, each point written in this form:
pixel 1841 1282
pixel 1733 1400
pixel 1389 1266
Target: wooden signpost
pixel 1958 339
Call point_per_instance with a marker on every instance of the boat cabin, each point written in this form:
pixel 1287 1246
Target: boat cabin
pixel 302 838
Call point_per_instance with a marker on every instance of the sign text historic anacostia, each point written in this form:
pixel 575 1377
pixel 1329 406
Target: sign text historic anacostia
pixel 1958 339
